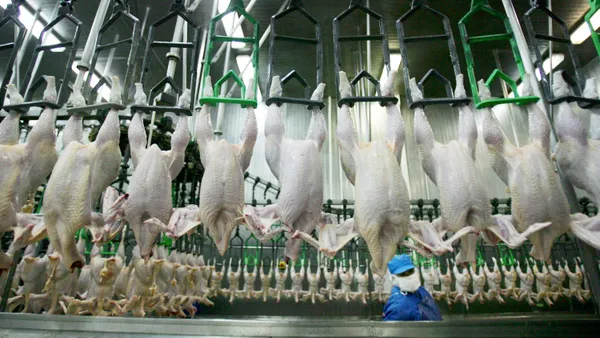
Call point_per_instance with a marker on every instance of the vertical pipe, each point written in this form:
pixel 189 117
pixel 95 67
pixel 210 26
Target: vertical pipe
pixel 184 61
pixel 587 252
pixel 90 45
pixel 107 66
pixel 173 54
pixel 221 110
pixel 367 111
pixel 330 142
pixel 15 78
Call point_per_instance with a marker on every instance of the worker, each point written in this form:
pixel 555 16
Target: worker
pixel 408 299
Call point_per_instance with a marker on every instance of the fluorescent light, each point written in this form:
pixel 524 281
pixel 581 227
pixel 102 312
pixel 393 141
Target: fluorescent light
pixel 395 61
pixel 26 19
pixel 229 21
pixel 242 61
pixel 582 32
pixel 557 59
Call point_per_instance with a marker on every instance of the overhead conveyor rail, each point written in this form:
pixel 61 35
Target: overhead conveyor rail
pixel 30 83
pixel 422 6
pixel 482 6
pixel 295 6
pixel 177 10
pixel 120 11
pixel 338 39
pixel 235 6
pixel 577 80
pixel 11 20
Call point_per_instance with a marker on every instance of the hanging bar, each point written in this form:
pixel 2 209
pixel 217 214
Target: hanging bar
pixel 337 49
pixel 578 82
pixel 295 6
pixel 28 87
pixel 483 6
pixel 594 7
pixel 177 10
pixel 235 6
pixel 421 5
pixel 120 10
pixel 11 17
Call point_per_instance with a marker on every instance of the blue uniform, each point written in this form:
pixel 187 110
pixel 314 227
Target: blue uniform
pixel 411 306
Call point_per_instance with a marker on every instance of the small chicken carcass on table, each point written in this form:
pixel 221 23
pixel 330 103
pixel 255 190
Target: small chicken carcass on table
pixel 297 166
pixel 222 187
pixel 149 206
pixel 463 199
pixel 382 206
pixel 75 185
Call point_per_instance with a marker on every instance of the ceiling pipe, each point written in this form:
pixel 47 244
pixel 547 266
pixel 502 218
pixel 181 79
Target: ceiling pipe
pixel 84 64
pixel 15 78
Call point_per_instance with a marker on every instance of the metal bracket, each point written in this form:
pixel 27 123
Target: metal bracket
pixel 295 6
pixel 594 7
pixel 11 15
pixel 337 54
pixel 421 5
pixel 534 37
pixel 483 6
pixel 235 6
pixel 120 10
pixel 177 10
pixel 65 13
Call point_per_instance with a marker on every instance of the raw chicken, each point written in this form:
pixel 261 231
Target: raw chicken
pixel 280 278
pixel 380 292
pixel 249 279
pixel 543 284
pixel 446 285
pixel 463 199
pixel 9 127
pixel 70 191
pixel 534 185
pixel 149 206
pixel 25 166
pixel 313 285
pixel 558 279
pixel 265 282
pixel 332 236
pixel 494 278
pixel 32 272
pixel 297 279
pixel 362 280
pixel 510 282
pixel 142 288
pixel 463 280
pixel 297 166
pixel 478 285
pixel 222 187
pixel 526 288
pixel 331 278
pixel 575 281
pixel 233 277
pixel 430 277
pixel 577 156
pixel 382 207
pixel 216 279
pixel 346 276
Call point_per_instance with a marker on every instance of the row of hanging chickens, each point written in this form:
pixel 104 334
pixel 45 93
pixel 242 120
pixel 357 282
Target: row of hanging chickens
pixel 382 210
pixel 174 284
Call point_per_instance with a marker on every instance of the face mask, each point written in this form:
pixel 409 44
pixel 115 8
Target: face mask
pixel 406 284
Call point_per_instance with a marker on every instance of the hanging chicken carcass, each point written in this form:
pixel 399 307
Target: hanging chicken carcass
pixel 149 205
pixel 463 199
pixel 68 197
pixel 297 166
pixel 382 207
pixel 536 193
pixel 222 187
